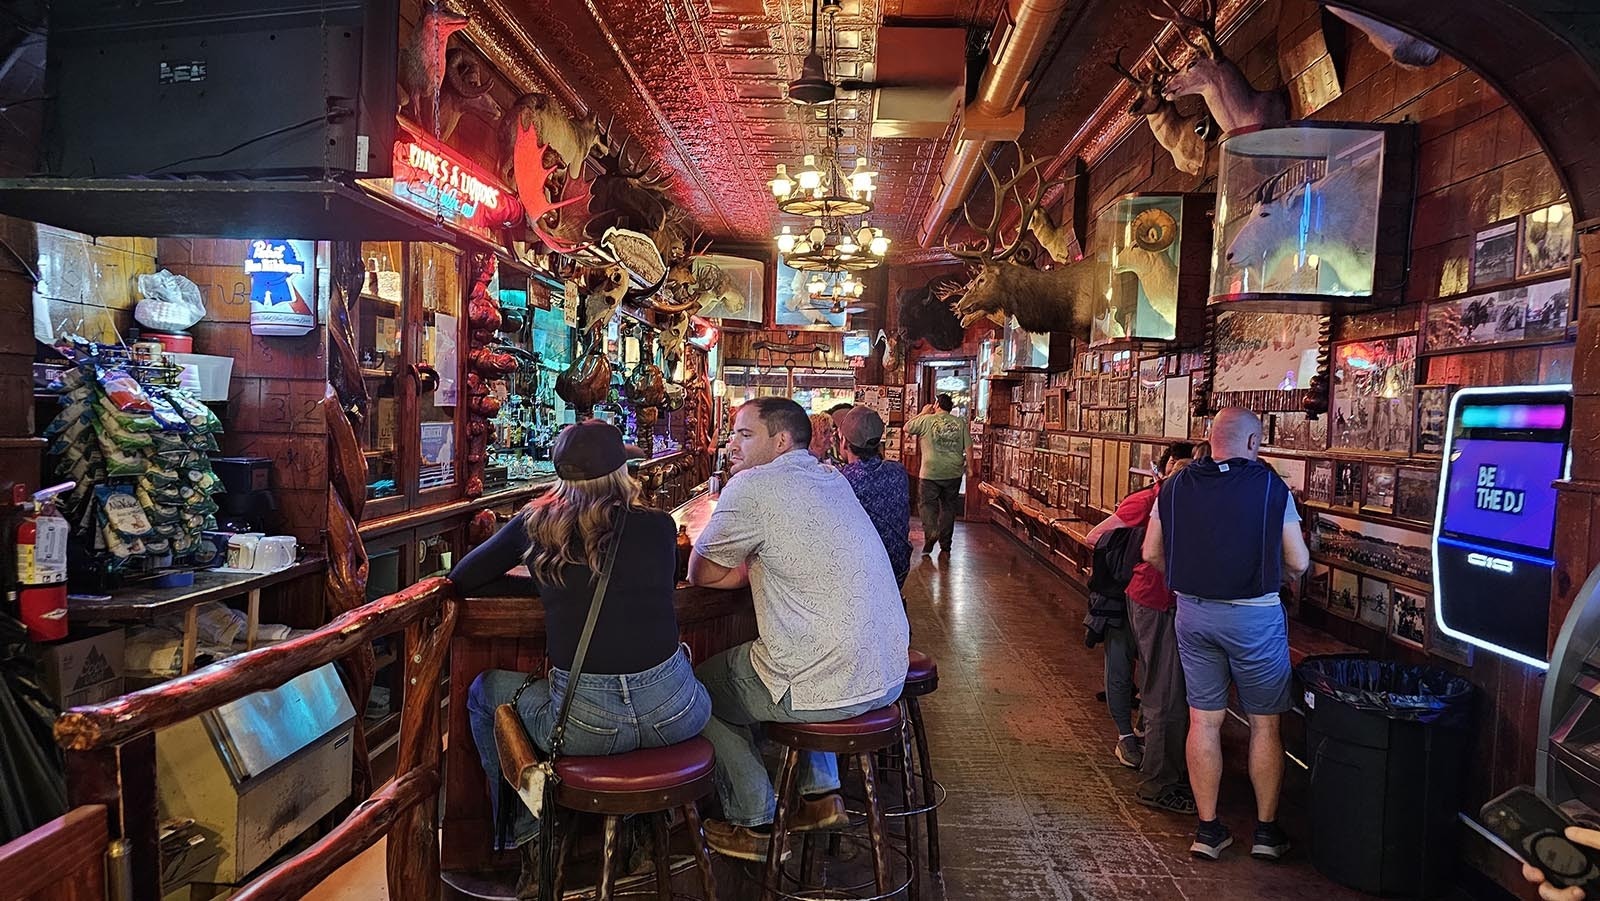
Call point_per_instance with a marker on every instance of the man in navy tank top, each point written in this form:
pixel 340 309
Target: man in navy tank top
pixel 1226 533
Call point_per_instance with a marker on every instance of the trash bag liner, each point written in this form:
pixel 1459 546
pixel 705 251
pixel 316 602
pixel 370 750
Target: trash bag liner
pixel 1397 691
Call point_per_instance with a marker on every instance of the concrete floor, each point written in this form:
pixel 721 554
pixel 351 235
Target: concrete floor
pixel 1038 806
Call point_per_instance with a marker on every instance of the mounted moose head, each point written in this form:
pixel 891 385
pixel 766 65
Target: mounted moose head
pixel 530 131
pixel 1405 50
pixel 1173 131
pixel 422 63
pixel 1233 102
pixel 466 90
pixel 1040 300
pixel 628 195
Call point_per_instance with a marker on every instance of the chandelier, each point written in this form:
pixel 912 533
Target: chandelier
pixel 820 189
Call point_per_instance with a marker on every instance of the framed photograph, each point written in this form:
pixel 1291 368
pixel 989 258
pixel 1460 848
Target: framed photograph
pixel 1416 493
pixel 1317 576
pixel 1055 408
pixel 1347 484
pixel 1292 470
pixel 1379 493
pixel 1408 617
pixel 1344 540
pixel 1442 645
pixel 1272 357
pixel 1374 603
pixel 1175 418
pixel 1372 394
pixel 1344 594
pixel 1319 482
pixel 1546 240
pixel 1433 419
pixel 1525 314
pixel 1494 254
pixel 1152 391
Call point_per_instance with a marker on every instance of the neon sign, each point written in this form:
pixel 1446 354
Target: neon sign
pixel 435 179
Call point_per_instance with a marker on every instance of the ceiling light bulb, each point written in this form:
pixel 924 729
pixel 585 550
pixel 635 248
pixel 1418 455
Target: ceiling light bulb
pixel 861 177
pixel 865 234
pixel 817 285
pixel 847 284
pixel 859 289
pixel 879 246
pixel 782 185
pixel 848 246
pixel 817 234
pixel 809 177
pixel 786 240
pixel 802 247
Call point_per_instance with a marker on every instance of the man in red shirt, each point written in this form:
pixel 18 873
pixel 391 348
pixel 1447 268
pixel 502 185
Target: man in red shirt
pixel 1151 617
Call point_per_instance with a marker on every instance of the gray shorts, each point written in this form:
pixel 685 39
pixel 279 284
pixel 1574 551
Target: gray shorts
pixel 1246 645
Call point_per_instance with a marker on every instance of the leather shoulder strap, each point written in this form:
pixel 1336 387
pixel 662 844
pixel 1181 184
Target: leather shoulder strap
pixel 559 732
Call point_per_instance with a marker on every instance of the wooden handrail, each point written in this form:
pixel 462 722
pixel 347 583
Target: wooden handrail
pixel 62 859
pixel 371 820
pixel 101 725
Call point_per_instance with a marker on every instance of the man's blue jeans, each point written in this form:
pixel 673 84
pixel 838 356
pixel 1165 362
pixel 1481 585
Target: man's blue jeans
pixel 740 702
pixel 661 706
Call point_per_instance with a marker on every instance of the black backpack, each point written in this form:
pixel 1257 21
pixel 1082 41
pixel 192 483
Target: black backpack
pixel 1115 556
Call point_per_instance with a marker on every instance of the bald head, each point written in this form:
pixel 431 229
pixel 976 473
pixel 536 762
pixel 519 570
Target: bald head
pixel 1235 433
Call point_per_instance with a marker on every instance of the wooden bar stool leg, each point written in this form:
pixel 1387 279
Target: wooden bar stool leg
pixel 908 796
pixel 608 859
pixel 663 857
pixel 808 859
pixel 880 847
pixel 702 854
pixel 558 883
pixel 780 825
pixel 925 764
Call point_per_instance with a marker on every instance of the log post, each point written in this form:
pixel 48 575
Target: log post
pixel 413 848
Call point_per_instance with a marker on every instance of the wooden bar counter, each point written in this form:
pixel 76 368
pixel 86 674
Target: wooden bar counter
pixel 507 632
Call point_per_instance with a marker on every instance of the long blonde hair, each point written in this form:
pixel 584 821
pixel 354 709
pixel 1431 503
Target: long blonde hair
pixel 587 505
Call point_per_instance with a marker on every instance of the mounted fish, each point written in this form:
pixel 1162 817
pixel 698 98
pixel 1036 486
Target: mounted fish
pixel 1230 97
pixel 1178 134
pixel 532 132
pixel 627 195
pixel 587 380
pixel 422 63
pixel 466 90
pixel 646 385
pixel 1060 299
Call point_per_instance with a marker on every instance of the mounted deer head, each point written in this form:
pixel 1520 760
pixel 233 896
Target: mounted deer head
pixel 1405 50
pixel 1233 102
pixel 686 291
pixel 1173 131
pixel 1041 301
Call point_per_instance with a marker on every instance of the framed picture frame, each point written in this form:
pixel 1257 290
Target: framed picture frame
pixel 1150 408
pixel 1055 408
pixel 1378 490
pixel 1347 484
pixel 1292 470
pixel 1372 408
pixel 1516 315
pixel 1432 419
pixel 1416 493
pixel 1494 254
pixel 1374 603
pixel 1408 618
pixel 1316 584
pixel 1344 593
pixel 1390 551
pixel 1319 483
pixel 1263 361
pixel 1175 409
pixel 1547 240
pixel 792 308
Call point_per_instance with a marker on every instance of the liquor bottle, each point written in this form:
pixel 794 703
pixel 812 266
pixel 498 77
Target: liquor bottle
pixel 685 548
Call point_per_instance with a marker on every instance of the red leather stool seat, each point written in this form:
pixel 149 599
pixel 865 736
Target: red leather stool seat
pixel 922 667
pixel 639 781
pixel 868 732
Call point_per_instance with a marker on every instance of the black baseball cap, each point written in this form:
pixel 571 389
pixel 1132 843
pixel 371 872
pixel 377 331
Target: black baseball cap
pixel 588 450
pixel 862 427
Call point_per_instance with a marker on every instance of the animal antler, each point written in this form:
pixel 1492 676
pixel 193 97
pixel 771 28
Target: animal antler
pixel 992 249
pixel 1126 73
pixel 1205 26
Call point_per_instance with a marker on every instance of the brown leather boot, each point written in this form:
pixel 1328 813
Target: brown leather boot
pixel 528 879
pixel 739 842
pixel 826 812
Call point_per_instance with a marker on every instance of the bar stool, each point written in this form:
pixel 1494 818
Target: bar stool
pixel 648 782
pixel 861 736
pixel 922 678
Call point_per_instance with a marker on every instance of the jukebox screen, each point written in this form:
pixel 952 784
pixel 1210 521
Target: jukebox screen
pixel 1501 491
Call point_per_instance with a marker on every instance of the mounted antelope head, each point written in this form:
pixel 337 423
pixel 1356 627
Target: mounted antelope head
pixel 1405 50
pixel 1173 131
pixel 1233 102
pixel 1041 301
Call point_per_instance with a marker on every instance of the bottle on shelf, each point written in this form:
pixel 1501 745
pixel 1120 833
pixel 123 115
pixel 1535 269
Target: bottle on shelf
pixel 685 548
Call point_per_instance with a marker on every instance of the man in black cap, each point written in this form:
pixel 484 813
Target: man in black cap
pixel 882 486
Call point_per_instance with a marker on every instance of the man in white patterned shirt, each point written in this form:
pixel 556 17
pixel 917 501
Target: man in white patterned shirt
pixel 833 632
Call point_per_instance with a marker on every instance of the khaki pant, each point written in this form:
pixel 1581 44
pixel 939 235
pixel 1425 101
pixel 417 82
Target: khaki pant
pixel 1162 700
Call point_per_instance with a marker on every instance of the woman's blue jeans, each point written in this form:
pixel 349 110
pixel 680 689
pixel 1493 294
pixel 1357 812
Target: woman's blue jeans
pixel 611 714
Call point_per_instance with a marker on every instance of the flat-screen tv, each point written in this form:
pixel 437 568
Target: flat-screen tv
pixel 858 344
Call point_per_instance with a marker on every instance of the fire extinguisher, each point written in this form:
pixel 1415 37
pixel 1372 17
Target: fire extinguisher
pixel 42 563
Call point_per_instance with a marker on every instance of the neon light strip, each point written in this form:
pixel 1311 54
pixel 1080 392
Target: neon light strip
pixel 1515 416
pixel 1438 512
pixel 1542 561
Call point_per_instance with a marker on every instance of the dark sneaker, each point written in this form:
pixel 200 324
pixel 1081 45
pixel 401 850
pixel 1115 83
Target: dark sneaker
pixel 1129 752
pixel 739 842
pixel 1173 799
pixel 1270 842
pixel 826 812
pixel 1210 840
pixel 927 547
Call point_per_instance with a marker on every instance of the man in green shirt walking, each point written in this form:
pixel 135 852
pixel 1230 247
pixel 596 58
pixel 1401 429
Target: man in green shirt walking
pixel 946 438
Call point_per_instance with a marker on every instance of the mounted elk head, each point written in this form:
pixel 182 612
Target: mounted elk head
pixel 1233 102
pixel 628 195
pixel 1405 50
pixel 1173 131
pixel 466 90
pixel 1040 300
pixel 422 63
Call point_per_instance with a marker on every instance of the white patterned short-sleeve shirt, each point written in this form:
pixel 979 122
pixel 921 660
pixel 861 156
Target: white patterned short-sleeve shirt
pixel 833 630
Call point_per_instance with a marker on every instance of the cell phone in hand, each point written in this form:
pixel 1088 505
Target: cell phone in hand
pixel 1532 828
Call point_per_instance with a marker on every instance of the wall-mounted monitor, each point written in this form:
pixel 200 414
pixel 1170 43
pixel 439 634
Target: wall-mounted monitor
pixel 1494 533
pixel 858 344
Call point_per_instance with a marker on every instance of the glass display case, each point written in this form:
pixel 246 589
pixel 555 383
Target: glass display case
pixel 1025 349
pixel 533 330
pixel 380 340
pixel 1158 247
pixel 1313 217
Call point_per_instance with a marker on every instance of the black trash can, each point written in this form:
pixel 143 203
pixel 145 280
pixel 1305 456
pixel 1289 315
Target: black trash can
pixel 1387 745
